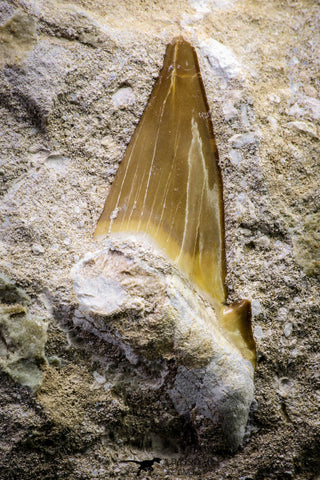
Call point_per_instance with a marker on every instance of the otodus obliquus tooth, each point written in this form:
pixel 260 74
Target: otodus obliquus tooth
pixel 169 188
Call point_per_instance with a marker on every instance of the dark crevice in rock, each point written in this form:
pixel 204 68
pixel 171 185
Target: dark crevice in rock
pixel 25 108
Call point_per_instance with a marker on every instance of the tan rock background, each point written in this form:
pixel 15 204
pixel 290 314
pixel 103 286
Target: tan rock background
pixel 74 80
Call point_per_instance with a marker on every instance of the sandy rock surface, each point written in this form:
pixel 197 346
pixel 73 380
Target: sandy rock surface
pixel 74 81
pixel 132 298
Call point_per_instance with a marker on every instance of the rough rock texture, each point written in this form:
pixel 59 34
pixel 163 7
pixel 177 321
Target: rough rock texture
pixel 74 80
pixel 22 337
pixel 131 297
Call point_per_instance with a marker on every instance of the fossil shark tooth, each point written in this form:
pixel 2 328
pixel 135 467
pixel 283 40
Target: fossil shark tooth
pixel 168 187
pixel 156 289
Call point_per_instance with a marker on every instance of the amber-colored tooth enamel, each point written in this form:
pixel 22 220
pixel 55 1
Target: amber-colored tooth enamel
pixel 236 320
pixel 168 185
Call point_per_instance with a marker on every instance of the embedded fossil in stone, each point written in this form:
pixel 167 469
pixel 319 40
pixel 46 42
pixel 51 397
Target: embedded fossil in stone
pixel 169 187
pixel 157 288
